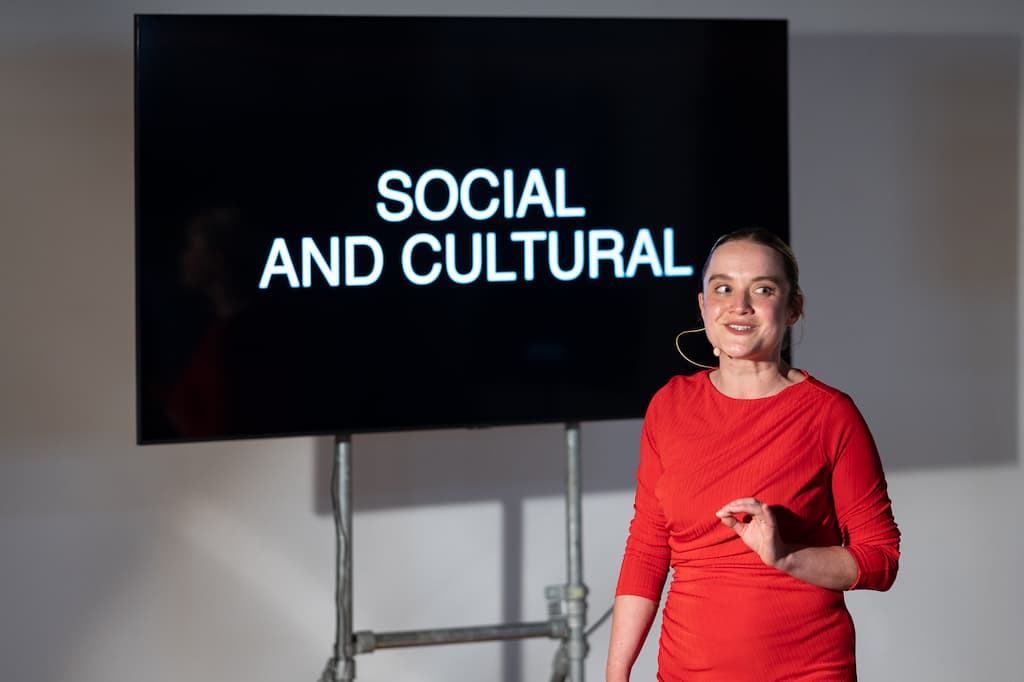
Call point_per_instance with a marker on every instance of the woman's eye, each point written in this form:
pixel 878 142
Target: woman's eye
pixel 722 289
pixel 765 290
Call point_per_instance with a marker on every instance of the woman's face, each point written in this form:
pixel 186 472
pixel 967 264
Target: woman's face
pixel 746 301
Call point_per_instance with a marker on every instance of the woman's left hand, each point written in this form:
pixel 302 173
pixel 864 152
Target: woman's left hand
pixel 756 525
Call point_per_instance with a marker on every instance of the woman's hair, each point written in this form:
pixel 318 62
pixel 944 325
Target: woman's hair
pixel 774 242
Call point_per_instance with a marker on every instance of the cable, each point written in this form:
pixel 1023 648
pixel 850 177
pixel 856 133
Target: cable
pixel 600 621
pixel 560 666
pixel 687 357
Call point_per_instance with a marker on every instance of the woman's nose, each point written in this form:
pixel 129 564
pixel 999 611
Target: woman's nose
pixel 740 302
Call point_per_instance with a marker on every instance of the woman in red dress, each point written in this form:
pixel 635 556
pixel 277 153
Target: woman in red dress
pixel 761 488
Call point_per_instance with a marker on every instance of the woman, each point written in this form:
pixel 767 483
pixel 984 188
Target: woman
pixel 763 490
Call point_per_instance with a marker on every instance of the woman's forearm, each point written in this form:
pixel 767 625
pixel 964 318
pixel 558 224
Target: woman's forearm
pixel 833 568
pixel 631 621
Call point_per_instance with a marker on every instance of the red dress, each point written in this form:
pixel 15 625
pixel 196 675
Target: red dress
pixel 728 617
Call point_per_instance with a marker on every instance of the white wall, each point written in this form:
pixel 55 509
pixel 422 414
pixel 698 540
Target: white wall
pixel 215 562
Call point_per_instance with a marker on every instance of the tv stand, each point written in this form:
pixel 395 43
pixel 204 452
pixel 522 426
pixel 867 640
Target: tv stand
pixel 567 603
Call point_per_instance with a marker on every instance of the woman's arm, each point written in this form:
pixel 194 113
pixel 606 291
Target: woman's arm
pixel 833 568
pixel 631 621
pixel 869 555
pixel 645 562
pixel 860 496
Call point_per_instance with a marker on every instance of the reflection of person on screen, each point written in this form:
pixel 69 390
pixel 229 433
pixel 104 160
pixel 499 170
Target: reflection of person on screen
pixel 196 404
pixel 761 487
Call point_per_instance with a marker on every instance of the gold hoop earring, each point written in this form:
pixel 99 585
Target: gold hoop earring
pixel 687 357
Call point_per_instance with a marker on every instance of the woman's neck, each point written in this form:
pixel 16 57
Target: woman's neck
pixel 746 379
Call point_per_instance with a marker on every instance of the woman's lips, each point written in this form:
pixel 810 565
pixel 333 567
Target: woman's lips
pixel 736 328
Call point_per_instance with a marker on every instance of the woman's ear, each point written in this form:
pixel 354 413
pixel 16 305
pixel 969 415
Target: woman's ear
pixel 797 309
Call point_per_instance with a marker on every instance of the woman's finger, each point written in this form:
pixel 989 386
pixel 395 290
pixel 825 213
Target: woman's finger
pixel 730 521
pixel 746 505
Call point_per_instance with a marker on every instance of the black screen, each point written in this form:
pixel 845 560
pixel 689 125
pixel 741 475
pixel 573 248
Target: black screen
pixel 350 224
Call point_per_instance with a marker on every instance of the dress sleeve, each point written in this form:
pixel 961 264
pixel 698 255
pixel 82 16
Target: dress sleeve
pixel 863 508
pixel 646 560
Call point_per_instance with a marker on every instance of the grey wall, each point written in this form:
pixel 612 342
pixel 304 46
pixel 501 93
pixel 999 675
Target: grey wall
pixel 214 562
pixel 904 170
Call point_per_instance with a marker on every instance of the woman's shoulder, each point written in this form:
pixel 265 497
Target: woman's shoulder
pixel 825 391
pixel 818 386
pixel 835 404
pixel 683 384
pixel 680 392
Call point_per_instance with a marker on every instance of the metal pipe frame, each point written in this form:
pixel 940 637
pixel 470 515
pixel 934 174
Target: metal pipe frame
pixel 576 591
pixel 366 642
pixel 570 627
pixel 342 666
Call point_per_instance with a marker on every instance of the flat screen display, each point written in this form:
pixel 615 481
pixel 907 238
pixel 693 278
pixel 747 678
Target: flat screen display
pixel 358 224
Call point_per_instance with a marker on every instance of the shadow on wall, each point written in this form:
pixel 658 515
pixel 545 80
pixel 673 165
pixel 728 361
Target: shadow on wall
pixel 905 219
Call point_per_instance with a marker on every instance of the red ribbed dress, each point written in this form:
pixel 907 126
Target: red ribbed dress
pixel 728 617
